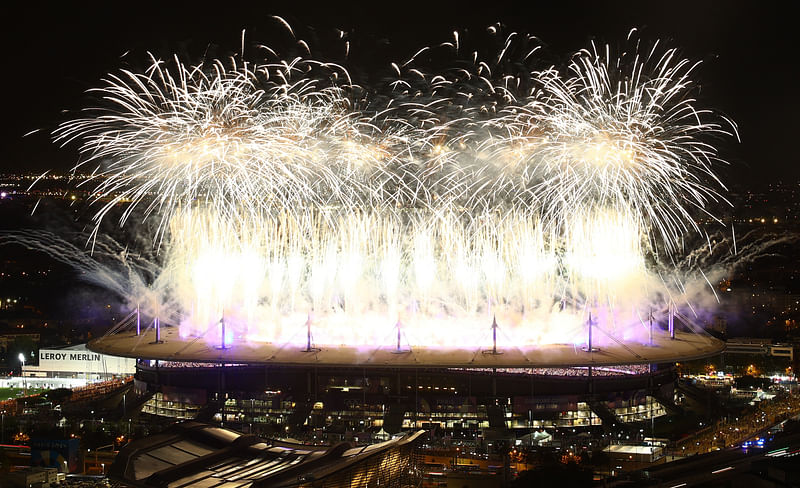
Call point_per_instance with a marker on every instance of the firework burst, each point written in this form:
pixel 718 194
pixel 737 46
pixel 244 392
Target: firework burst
pixel 624 133
pixel 488 190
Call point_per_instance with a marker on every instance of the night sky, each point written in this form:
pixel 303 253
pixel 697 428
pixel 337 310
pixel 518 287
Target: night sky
pixel 55 52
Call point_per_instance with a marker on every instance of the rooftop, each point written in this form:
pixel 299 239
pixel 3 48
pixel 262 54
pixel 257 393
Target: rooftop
pixel 201 455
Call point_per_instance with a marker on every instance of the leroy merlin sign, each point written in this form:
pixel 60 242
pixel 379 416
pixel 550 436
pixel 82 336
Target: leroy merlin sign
pixel 68 356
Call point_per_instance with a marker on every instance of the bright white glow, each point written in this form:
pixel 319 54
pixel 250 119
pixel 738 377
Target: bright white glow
pixel 279 205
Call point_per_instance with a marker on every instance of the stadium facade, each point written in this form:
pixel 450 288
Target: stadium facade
pixel 473 396
pixel 472 406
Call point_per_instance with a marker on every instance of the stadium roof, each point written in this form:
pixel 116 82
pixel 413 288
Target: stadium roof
pixel 173 347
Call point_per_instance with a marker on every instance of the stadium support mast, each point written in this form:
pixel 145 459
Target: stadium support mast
pixel 589 344
pixel 671 320
pixel 399 349
pixel 589 347
pixel 222 344
pixel 494 350
pixel 157 323
pixel 309 345
pixel 158 331
pixel 494 334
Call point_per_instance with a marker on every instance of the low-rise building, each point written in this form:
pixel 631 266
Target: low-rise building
pixel 73 366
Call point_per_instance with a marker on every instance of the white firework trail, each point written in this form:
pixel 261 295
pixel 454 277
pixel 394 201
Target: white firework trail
pixel 287 194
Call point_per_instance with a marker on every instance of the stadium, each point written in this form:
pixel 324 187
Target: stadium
pixel 473 395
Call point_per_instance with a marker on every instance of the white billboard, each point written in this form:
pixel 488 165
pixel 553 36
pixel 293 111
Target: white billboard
pixel 78 359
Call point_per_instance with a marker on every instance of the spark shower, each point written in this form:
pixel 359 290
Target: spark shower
pixel 445 199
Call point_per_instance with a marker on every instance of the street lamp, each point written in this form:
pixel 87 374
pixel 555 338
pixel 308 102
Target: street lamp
pixel 22 373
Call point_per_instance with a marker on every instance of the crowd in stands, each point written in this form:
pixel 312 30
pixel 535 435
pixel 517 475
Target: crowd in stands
pixel 634 369
pixel 186 364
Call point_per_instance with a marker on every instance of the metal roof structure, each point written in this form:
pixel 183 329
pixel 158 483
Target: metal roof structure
pixel 198 455
pixel 172 347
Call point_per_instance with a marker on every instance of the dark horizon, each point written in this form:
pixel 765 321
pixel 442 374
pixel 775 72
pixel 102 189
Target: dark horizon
pixel 59 52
